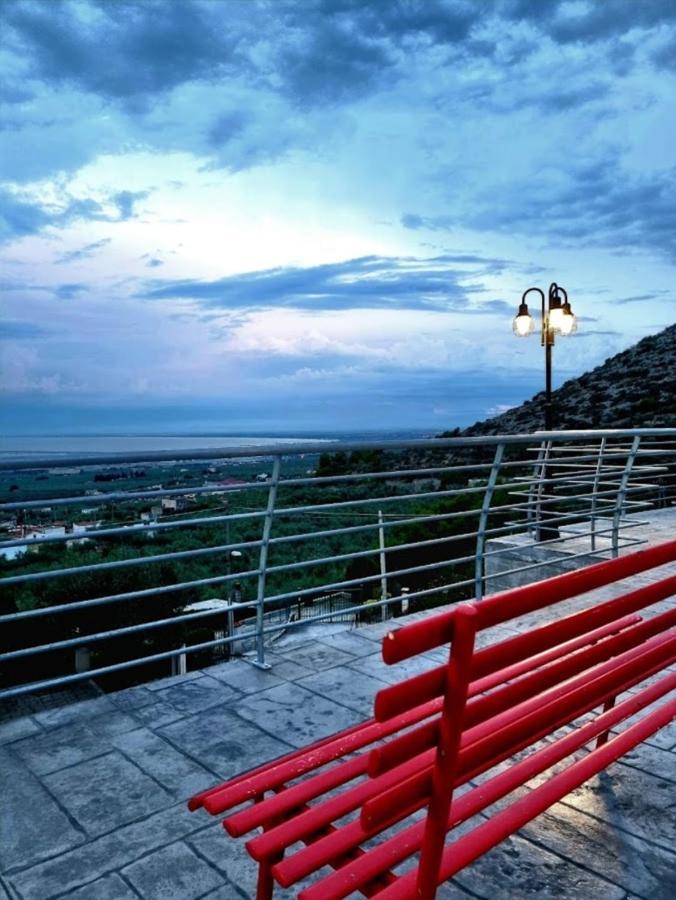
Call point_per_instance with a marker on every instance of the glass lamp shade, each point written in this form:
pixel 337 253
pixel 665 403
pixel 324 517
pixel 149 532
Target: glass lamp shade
pixel 568 321
pixel 523 324
pixel 555 319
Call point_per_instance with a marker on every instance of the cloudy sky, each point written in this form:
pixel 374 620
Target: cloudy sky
pixel 286 215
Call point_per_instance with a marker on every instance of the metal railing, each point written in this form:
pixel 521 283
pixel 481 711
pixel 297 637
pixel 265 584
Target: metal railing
pixel 374 520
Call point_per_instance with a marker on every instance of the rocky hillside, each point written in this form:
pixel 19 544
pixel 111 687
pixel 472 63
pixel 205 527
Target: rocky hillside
pixel 635 389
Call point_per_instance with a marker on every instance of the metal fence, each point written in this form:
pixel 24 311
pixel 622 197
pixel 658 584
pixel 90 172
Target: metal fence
pixel 374 520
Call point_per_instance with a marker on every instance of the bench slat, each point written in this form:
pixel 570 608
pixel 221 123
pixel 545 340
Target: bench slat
pixel 466 849
pixel 394 700
pixel 427 634
pixel 395 849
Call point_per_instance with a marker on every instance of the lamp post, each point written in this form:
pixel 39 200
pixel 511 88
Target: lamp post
pixel 557 318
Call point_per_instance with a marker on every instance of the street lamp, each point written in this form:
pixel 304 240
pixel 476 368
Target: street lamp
pixel 557 318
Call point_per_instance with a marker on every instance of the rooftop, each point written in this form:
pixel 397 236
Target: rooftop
pixel 94 786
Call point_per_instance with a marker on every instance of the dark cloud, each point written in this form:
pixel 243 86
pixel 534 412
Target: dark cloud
pixel 21 331
pixel 147 47
pixel 591 21
pixel 597 204
pixel 369 282
pixel 125 202
pixel 20 217
pixel 84 252
pixel 642 298
pixel 70 290
pixel 154 262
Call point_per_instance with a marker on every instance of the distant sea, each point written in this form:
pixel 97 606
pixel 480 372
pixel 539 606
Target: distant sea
pixel 17 446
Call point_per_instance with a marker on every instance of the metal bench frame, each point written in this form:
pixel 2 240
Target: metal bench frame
pixel 436 731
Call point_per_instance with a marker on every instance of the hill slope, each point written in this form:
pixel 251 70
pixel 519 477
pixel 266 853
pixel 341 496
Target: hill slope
pixel 634 389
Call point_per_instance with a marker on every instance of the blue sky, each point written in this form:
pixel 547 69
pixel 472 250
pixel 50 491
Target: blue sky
pixel 320 214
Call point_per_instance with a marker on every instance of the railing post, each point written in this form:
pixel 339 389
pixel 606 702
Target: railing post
pixel 483 521
pixel 538 466
pixel 262 565
pixel 622 493
pixel 541 487
pixel 595 488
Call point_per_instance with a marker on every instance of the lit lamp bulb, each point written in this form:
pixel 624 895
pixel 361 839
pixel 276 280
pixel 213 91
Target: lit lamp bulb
pixel 523 323
pixel 555 317
pixel 568 321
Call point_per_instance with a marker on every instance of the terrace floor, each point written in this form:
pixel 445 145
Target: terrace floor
pixel 92 793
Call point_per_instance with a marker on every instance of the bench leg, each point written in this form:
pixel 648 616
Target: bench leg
pixel 266 882
pixel 602 738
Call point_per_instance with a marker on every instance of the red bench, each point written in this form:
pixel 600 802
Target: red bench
pixel 434 732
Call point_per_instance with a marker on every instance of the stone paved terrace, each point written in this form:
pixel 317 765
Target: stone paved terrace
pixel 93 792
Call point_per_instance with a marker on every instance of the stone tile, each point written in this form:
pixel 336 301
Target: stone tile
pixel 132 698
pixel 74 712
pixel 351 642
pixel 72 743
pixel 517 869
pixel 374 667
pixel 110 887
pixel 621 858
pixel 301 716
pixel 190 697
pixel 316 656
pixel 179 774
pixel 157 714
pixel 172 873
pixel 223 742
pixel 106 792
pixel 347 687
pixel 653 760
pixel 26 807
pixel 230 857
pixel 171 680
pixel 287 669
pixel 15 729
pixel 245 677
pixel 105 854
pixel 634 801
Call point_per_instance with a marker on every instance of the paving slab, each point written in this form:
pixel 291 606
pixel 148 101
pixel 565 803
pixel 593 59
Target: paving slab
pixel 633 864
pixel 301 716
pixel 341 684
pixel 192 696
pixel 74 712
pixel 24 799
pixel 352 642
pixel 104 855
pixel 245 677
pixel 157 714
pixel 173 873
pixel 15 729
pixel 104 793
pixel 176 772
pixel 517 868
pixel 72 743
pixel 110 887
pixel 316 655
pixel 223 742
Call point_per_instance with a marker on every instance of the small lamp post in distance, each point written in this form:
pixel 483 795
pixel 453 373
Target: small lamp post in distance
pixel 557 318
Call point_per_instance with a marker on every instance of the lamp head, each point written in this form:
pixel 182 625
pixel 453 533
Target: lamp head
pixel 568 320
pixel 523 323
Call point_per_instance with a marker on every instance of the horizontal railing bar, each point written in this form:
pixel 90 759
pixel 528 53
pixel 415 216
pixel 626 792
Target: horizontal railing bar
pixel 130 496
pixel 49 573
pixel 132 530
pixel 158 623
pixel 34 686
pixel 114 633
